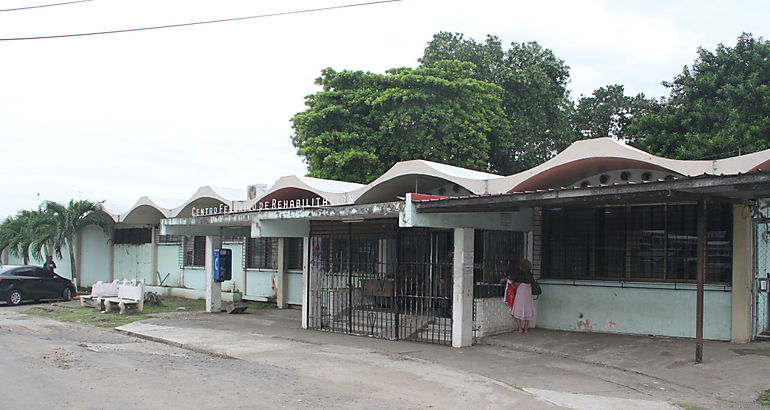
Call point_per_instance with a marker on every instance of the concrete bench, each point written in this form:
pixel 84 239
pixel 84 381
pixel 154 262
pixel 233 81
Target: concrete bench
pixel 129 294
pixel 99 292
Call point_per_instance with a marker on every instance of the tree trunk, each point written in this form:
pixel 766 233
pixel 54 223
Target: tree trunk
pixel 73 269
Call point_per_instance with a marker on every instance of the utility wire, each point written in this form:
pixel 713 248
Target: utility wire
pixel 284 13
pixel 44 5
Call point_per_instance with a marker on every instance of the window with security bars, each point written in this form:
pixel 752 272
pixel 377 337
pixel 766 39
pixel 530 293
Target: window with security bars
pixel 656 242
pixel 262 253
pixel 193 251
pixel 293 253
pixel 496 253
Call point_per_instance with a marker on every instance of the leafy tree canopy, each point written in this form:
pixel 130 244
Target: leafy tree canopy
pixel 535 96
pixel 362 123
pixel 717 108
pixel 609 112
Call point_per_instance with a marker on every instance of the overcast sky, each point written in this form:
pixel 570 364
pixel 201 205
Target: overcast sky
pixel 163 112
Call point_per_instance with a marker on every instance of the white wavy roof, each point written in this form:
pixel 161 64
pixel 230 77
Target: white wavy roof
pixel 579 160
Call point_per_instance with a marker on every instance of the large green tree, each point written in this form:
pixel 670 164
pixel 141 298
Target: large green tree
pixel 535 96
pixel 362 123
pixel 609 112
pixel 717 108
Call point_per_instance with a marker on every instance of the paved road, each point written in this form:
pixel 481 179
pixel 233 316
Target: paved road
pixel 51 365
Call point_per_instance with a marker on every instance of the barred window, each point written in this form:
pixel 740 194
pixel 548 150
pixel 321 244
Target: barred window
pixel 262 253
pixel 638 242
pixel 293 253
pixel 194 251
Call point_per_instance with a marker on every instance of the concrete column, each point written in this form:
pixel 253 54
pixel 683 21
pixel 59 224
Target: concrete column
pixel 742 298
pixel 213 289
pixel 281 279
pixel 154 263
pixel 462 294
pixel 305 279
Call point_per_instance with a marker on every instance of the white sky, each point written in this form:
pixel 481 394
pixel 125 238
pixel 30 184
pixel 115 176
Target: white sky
pixel 163 112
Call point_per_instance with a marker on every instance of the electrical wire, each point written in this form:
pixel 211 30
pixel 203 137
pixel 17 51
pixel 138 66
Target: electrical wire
pixel 45 5
pixel 284 13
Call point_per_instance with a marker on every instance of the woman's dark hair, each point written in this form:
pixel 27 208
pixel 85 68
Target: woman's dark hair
pixel 525 271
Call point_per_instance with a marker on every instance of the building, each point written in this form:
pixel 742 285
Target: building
pixel 419 253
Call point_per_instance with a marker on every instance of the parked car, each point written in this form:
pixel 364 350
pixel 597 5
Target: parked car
pixel 23 283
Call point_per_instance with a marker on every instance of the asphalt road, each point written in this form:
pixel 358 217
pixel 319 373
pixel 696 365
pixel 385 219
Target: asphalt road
pixel 46 364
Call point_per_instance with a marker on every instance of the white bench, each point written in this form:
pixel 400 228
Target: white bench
pixel 99 292
pixel 129 294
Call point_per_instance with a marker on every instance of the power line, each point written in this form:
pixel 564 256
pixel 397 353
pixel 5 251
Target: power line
pixel 45 5
pixel 284 13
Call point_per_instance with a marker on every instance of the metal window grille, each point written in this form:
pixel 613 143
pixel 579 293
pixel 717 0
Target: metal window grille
pixel 193 251
pixel 262 253
pixel 656 242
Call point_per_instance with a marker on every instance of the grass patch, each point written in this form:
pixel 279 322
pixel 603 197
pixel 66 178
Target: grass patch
pixel 689 406
pixel 76 313
pixel 764 398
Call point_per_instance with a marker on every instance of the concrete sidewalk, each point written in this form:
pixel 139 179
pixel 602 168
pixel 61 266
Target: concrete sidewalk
pixel 569 369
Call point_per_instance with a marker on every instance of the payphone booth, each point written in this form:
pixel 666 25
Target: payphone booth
pixel 223 264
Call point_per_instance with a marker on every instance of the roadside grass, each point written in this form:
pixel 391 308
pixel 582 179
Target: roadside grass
pixel 764 398
pixel 689 406
pixel 68 312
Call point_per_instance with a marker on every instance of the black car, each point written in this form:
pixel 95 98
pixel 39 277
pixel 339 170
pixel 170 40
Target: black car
pixel 22 283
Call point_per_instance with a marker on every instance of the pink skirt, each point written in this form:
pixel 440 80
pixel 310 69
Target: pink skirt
pixel 523 305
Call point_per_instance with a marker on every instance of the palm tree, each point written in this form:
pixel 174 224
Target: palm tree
pixel 17 234
pixel 69 221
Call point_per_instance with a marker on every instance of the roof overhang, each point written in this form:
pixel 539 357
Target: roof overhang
pixel 732 188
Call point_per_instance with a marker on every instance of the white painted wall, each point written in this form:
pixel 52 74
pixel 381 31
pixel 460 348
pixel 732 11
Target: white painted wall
pixel 133 262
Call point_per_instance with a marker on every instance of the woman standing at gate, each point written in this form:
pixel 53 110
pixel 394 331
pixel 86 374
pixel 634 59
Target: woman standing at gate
pixel 523 304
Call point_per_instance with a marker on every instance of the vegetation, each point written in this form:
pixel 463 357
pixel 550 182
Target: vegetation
pixel 764 398
pixel 717 108
pixel 362 123
pixel 49 229
pixel 70 312
pixel 481 106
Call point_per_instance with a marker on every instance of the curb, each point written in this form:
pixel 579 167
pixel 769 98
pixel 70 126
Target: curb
pixel 176 344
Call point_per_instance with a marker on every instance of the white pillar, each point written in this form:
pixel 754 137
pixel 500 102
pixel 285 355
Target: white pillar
pixel 154 264
pixel 305 279
pixel 281 285
pixel 213 289
pixel 462 293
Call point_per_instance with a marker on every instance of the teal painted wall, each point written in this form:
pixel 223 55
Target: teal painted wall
pixel 259 283
pixel 133 262
pixel 94 256
pixel 664 312
pixel 294 292
pixel 168 264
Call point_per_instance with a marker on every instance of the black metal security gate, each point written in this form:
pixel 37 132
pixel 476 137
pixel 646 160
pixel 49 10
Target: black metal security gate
pixel 761 274
pixel 373 279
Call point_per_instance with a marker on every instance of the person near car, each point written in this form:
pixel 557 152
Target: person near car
pixel 49 264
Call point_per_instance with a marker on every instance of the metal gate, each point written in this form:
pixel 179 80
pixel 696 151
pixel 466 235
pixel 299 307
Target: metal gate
pixel 372 279
pixel 761 273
